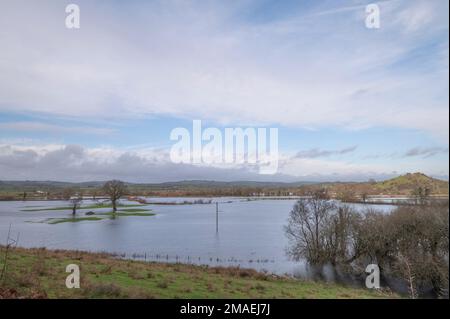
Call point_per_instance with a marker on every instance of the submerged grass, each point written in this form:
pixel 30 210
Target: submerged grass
pixel 96 217
pixel 95 206
pixel 134 210
pixel 54 221
pixel 103 276
pixel 124 213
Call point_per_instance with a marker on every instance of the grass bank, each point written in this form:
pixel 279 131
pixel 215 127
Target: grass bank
pixel 40 273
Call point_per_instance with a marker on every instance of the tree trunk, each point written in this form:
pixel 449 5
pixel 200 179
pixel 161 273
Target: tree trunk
pixel 114 206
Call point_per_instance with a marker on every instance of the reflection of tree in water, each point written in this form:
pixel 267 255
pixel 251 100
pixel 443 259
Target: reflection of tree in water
pixel 410 245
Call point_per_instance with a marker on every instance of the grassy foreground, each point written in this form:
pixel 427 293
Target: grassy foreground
pixel 40 273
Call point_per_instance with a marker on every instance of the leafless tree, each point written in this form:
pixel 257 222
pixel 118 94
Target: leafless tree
pixel 307 224
pixel 421 195
pixel 74 198
pixel 67 193
pixel 411 243
pixel 405 268
pixel 76 203
pixel 364 197
pixel 10 243
pixel 115 189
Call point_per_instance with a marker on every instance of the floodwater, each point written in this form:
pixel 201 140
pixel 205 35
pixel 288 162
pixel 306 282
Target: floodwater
pixel 250 232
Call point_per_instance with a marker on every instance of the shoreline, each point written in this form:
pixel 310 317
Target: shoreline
pixel 398 200
pixel 40 273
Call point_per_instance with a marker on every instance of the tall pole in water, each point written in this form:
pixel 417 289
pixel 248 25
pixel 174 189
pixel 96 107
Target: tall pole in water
pixel 217 217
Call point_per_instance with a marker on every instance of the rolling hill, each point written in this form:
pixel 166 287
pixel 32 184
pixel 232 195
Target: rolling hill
pixel 401 185
pixel 405 184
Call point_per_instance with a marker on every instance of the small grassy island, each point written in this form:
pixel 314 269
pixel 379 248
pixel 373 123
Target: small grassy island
pixel 69 208
pixel 92 215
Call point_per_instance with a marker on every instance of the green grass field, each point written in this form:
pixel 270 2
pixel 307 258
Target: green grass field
pixel 40 273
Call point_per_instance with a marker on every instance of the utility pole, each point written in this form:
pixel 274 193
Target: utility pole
pixel 217 217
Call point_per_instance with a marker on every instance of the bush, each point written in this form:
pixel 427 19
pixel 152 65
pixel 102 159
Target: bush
pixel 411 243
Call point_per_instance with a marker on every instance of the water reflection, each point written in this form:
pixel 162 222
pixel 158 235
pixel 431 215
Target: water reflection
pixel 250 233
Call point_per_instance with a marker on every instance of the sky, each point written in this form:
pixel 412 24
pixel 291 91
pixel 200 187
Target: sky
pixel 99 102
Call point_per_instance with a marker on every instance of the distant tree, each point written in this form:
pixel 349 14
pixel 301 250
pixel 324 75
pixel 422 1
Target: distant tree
pixel 364 197
pixel 76 202
pixel 320 194
pixel 115 189
pixel 73 197
pixel 420 194
pixel 347 195
pixel 67 193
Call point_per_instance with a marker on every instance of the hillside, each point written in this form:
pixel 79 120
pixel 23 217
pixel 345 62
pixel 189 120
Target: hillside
pixel 405 184
pixel 401 185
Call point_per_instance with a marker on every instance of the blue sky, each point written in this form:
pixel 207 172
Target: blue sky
pixel 350 103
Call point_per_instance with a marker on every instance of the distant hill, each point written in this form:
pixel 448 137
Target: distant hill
pixel 405 184
pixel 164 185
pixel 217 184
pixel 401 185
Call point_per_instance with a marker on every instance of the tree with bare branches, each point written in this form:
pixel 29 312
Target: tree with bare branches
pixel 75 202
pixel 307 227
pixel 115 189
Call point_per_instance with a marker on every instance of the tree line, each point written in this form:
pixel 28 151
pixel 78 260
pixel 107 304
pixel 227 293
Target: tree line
pixel 411 243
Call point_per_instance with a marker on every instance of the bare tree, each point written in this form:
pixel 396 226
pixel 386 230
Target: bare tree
pixel 421 195
pixel 67 193
pixel 411 243
pixel 73 197
pixel 76 203
pixel 115 189
pixel 364 197
pixel 10 243
pixel 307 225
pixel 347 195
pixel 405 268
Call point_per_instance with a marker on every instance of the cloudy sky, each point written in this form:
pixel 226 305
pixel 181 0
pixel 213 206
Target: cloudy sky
pixel 99 102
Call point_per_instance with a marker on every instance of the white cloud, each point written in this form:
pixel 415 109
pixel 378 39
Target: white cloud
pixel 200 60
pixel 426 151
pixel 76 163
pixel 315 152
pixel 29 126
pixel 418 15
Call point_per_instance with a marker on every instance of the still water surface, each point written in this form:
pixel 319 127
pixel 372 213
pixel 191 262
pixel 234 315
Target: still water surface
pixel 250 232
